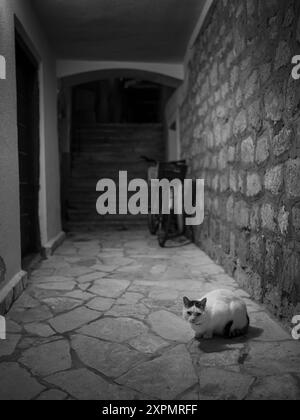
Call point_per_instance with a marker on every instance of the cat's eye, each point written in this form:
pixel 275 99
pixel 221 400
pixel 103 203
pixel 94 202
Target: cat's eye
pixel 190 313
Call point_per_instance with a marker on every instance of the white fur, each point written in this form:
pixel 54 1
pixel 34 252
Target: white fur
pixel 222 307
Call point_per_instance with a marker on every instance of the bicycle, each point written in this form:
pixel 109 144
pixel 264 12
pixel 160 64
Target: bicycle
pixel 169 225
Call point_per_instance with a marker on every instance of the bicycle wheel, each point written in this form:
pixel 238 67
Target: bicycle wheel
pixel 163 230
pixel 153 224
pixel 180 222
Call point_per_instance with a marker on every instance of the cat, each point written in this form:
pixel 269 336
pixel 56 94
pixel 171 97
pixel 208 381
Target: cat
pixel 219 313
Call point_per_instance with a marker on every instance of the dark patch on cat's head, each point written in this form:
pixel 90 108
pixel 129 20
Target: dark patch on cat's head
pixel 201 305
pixel 187 302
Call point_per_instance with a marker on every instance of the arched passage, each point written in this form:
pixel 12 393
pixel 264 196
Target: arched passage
pixel 108 119
pixel 91 76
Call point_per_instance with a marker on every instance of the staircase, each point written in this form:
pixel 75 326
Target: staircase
pixel 101 151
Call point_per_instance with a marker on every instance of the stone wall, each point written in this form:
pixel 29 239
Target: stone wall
pixel 240 123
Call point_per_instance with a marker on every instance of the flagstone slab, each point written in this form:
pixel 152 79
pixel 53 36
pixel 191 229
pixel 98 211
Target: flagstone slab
pixel 16 384
pixel 117 330
pixel 73 271
pixel 26 302
pixel 74 319
pixel 190 396
pixel 88 278
pixel 137 310
pixel 133 269
pixel 80 295
pixel 158 269
pixel 61 304
pixel 8 346
pixel 44 294
pixel 264 359
pixel 48 358
pixel 224 385
pixel 104 268
pixel 223 359
pixel 34 341
pixel 100 304
pixel 86 262
pixel 165 377
pixel 67 285
pixel 41 313
pixel 110 288
pixel 84 286
pixel 170 327
pixel 162 294
pixel 116 260
pixel 271 330
pixel 83 384
pixel 52 279
pixel 41 330
pixel 148 343
pixel 12 327
pixel 276 388
pixel 52 395
pixel 111 359
pixel 129 298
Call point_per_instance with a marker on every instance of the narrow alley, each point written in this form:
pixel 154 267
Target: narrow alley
pixel 101 319
pixel 149 156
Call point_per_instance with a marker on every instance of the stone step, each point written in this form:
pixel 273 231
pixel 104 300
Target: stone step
pixel 86 217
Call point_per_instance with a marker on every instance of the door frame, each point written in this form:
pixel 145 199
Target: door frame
pixel 23 42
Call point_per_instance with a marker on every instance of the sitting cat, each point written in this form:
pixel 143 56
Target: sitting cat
pixel 218 313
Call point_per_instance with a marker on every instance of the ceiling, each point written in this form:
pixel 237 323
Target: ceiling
pixel 120 30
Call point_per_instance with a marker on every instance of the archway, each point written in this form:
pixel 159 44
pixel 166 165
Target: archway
pixel 100 137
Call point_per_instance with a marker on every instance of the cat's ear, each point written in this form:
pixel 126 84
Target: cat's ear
pixel 187 303
pixel 202 305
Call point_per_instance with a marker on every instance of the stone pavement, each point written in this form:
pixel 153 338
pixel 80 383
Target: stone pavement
pixel 101 319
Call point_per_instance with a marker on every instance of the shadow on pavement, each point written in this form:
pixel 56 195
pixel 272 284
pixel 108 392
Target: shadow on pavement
pixel 218 345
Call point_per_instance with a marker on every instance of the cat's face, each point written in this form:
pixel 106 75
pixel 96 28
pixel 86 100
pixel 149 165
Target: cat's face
pixel 194 311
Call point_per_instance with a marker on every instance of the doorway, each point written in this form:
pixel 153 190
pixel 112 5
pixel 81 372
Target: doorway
pixel 28 148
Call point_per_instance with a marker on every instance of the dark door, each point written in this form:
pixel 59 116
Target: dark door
pixel 28 142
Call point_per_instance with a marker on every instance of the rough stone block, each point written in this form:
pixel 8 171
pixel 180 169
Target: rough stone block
pixel 240 123
pixel 234 76
pixel 268 217
pixel 283 55
pixel 233 180
pixel 265 72
pixel 296 219
pixel 254 186
pixel 262 149
pixel 274 103
pixel 255 218
pixel 283 220
pixel 230 209
pixel 255 116
pixel 282 142
pixel 256 252
pixel 274 179
pixel 241 214
pixel 231 154
pixel 292 178
pixel 252 85
pixel 247 150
